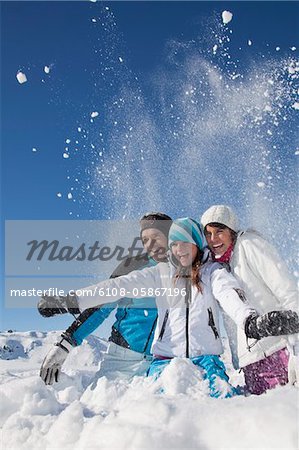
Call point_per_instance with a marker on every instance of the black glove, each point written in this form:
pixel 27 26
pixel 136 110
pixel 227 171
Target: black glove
pixel 273 323
pixel 50 306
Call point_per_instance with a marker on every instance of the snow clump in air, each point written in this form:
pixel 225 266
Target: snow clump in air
pixel 47 69
pixel 21 77
pixel 296 105
pixel 260 184
pixel 94 114
pixel 226 17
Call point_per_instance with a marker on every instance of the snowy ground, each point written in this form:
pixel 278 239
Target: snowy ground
pixel 117 414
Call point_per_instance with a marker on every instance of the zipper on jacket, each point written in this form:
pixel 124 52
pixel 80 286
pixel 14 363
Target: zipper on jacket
pixel 211 323
pixel 187 302
pixel 163 325
pixel 151 332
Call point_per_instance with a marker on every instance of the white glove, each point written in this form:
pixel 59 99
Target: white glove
pixel 51 366
pixel 293 366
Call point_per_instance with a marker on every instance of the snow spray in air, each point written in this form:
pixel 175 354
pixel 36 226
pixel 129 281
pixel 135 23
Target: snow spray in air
pixel 202 129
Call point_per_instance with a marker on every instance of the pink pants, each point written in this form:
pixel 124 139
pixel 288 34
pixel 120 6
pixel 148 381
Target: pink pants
pixel 267 373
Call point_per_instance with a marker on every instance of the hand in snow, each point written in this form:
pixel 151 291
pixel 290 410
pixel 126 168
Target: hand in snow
pixel 51 366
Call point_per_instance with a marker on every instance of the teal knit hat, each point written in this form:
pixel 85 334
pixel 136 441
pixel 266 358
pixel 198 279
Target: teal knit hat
pixel 186 230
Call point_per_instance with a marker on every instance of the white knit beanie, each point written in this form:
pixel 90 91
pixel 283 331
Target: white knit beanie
pixel 220 214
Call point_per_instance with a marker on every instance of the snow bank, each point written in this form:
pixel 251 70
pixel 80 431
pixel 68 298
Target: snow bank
pixel 82 411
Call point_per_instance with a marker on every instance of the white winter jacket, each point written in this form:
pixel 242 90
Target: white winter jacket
pixel 268 286
pixel 180 331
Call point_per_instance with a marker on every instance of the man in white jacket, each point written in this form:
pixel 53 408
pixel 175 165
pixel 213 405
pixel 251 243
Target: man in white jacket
pixel 268 285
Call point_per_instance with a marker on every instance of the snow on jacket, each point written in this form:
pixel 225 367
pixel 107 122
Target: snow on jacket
pixel 268 286
pixel 181 331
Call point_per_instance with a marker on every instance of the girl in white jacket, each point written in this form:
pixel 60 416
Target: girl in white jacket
pixel 267 285
pixel 188 291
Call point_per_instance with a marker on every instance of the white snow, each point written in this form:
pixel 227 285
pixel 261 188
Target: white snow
pixel 67 141
pixel 295 105
pixel 226 16
pixel 59 194
pixel 260 184
pixel 82 412
pixel 47 69
pixel 249 42
pixel 215 48
pixel 21 77
pixel 94 114
pixel 34 149
pixel 277 49
pixel 66 155
pixel 69 195
pixel 293 49
pixel 120 59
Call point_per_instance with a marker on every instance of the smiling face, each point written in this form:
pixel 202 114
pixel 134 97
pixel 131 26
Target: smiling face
pixel 154 243
pixel 184 252
pixel 219 238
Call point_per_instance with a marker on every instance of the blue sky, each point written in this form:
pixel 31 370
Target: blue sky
pixel 173 128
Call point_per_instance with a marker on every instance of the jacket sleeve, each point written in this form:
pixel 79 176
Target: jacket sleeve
pixel 86 323
pixel 111 290
pixel 230 296
pixel 91 318
pixel 269 267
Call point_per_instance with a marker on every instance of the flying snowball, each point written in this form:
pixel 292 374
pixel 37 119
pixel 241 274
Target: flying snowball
pixel 21 77
pixel 260 184
pixel 47 69
pixel 226 17
pixel 94 114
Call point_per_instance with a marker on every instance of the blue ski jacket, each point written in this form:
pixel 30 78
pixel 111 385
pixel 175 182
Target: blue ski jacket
pixel 136 319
